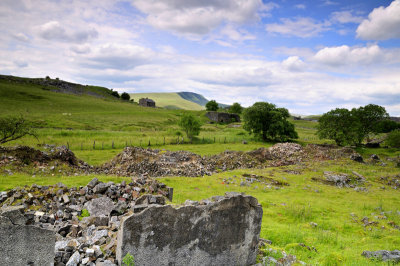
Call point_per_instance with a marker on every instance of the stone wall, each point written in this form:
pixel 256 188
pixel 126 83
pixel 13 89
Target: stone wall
pixel 224 231
pixel 22 244
pixel 223 117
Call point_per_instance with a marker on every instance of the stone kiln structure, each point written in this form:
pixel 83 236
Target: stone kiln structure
pixel 219 117
pixel 146 102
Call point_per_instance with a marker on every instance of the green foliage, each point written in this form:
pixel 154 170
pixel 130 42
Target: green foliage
pixel 115 94
pixel 84 213
pixel 15 127
pixel 393 139
pixel 212 106
pixel 190 124
pixel 269 122
pixel 128 260
pixel 351 127
pixel 236 108
pixel 386 126
pixel 125 96
pixel 338 125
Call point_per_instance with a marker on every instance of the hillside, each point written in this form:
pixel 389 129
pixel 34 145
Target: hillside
pixel 193 97
pixel 171 100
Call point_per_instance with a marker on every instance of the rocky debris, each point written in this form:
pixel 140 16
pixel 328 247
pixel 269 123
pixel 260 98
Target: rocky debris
pixel 342 180
pixel 223 230
pixel 133 161
pixel 392 181
pixel 83 220
pixel 251 178
pixel 383 255
pixel 357 158
pixel 48 160
pixel 375 157
pixel 24 244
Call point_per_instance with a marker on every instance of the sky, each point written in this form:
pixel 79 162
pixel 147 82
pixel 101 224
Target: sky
pixel 307 56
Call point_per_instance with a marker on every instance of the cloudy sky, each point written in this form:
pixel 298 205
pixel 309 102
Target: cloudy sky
pixel 309 56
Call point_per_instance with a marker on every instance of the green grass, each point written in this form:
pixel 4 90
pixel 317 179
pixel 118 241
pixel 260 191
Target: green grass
pixel 339 237
pixel 167 100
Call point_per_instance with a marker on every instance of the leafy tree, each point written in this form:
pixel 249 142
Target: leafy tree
pixel 351 127
pixel 190 124
pixel 338 125
pixel 115 94
pixel 15 127
pixel 125 96
pixel 269 122
pixel 386 126
pixel 393 139
pixel 368 117
pixel 212 105
pixel 236 108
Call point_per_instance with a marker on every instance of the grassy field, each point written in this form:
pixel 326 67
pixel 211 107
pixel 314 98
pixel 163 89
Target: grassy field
pixel 97 129
pixel 168 101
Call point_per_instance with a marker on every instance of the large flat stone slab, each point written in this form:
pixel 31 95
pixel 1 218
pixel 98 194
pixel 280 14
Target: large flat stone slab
pixel 24 244
pixel 224 232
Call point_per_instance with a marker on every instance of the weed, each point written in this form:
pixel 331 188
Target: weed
pixel 128 260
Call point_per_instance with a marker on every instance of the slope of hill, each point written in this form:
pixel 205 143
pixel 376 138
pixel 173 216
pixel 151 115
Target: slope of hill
pixel 193 97
pixel 170 100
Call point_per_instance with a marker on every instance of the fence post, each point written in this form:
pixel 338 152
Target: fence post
pixel 81 146
pixel 112 145
pixel 67 145
pixel 102 145
pixel 149 144
pixel 164 140
pixel 140 143
pixel 224 140
pixel 94 144
pixel 214 139
pixel 126 143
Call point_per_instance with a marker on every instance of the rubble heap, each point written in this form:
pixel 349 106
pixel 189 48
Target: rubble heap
pixel 85 220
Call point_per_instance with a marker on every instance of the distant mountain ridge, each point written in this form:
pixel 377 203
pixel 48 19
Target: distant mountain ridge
pixel 194 97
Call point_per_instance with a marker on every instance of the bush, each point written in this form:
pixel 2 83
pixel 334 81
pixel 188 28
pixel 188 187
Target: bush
pixel 125 96
pixel 212 106
pixel 393 139
pixel 236 108
pixel 190 124
pixel 269 122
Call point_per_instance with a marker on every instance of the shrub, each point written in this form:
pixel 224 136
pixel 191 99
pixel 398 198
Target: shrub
pixel 212 106
pixel 115 94
pixel 125 96
pixel 393 139
pixel 190 124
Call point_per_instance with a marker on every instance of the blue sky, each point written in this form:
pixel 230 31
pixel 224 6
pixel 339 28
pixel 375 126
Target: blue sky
pixel 307 56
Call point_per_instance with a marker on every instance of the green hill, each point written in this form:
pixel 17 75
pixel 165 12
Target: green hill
pixel 193 97
pixel 171 100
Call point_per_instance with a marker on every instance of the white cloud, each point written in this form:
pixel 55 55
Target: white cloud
pixel 294 63
pixel 300 6
pixel 21 37
pixel 302 27
pixel 236 34
pixel 345 55
pixel 345 17
pixel 383 23
pixel 117 56
pixel 199 17
pixel 53 30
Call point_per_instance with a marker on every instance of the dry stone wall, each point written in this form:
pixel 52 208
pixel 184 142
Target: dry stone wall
pixel 221 231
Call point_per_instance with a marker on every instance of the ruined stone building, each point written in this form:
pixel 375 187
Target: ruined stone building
pixel 146 102
pixel 223 117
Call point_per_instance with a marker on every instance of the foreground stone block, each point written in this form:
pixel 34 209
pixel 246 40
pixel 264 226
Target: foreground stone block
pixel 223 232
pixel 25 245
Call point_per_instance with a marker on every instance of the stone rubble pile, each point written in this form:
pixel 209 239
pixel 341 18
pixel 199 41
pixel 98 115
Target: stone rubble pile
pixel 85 219
pixel 383 255
pixel 133 161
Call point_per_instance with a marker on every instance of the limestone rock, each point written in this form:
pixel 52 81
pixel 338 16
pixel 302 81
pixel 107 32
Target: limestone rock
pixel 100 207
pixel 225 232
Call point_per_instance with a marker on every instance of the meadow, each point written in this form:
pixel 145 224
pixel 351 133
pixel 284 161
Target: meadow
pixel 97 129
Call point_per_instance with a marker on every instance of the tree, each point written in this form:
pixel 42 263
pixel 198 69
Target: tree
pixel 115 94
pixel 368 118
pixel 15 127
pixel 212 106
pixel 351 127
pixel 190 124
pixel 236 108
pixel 338 125
pixel 125 96
pixel 386 126
pixel 393 139
pixel 269 122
